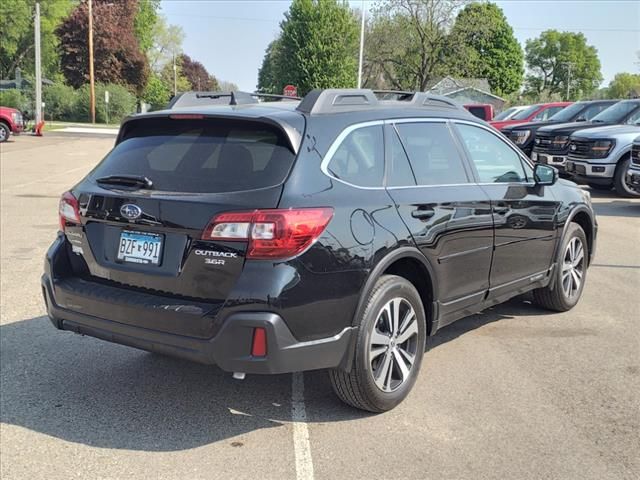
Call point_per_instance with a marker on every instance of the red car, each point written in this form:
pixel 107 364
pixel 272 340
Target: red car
pixel 10 122
pixel 535 113
pixel 483 111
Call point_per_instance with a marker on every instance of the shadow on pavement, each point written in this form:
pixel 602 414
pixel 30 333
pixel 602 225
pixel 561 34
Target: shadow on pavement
pixel 87 391
pixel 84 390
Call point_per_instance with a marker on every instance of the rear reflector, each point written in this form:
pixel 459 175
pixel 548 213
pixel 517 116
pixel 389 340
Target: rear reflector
pixel 259 344
pixel 68 209
pixel 271 233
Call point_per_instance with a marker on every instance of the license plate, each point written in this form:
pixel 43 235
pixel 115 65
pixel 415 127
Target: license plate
pixel 534 156
pixel 139 247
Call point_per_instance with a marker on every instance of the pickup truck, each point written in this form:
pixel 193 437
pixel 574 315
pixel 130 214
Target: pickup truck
pixel 551 144
pixel 600 157
pixel 535 113
pixel 484 111
pixel 10 123
pixel 633 174
pixel 523 135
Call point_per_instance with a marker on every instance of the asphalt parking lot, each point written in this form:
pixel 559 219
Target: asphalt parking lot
pixel 513 393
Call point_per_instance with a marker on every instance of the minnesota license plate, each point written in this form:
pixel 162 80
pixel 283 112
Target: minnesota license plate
pixel 139 247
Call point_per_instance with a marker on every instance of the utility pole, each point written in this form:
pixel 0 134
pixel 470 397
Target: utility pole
pixel 92 86
pixel 38 109
pixel 175 76
pixel 568 65
pixel 361 46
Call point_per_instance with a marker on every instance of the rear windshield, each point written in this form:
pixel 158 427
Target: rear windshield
pixel 526 113
pixel 200 156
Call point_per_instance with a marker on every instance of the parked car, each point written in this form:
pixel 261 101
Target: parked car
pixel 600 157
pixel 535 113
pixel 334 233
pixel 483 111
pixel 551 144
pixel 10 123
pixel 510 112
pixel 633 174
pixel 523 134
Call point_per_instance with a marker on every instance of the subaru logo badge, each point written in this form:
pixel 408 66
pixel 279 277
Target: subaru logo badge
pixel 130 211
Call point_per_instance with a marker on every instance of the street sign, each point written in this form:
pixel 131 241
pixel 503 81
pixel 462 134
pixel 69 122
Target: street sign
pixel 290 91
pixel 106 96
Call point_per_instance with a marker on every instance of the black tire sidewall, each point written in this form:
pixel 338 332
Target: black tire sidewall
pixel 620 179
pixel 7 132
pixel 573 231
pixel 387 287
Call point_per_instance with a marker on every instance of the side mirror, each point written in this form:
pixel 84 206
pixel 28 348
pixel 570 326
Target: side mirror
pixel 544 174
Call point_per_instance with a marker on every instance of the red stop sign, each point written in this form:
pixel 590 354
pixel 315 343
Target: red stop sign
pixel 290 91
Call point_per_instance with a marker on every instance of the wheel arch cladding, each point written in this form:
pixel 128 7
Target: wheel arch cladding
pixel 415 272
pixel 583 219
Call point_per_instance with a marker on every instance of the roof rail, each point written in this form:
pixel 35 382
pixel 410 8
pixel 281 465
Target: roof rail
pixel 197 99
pixel 343 100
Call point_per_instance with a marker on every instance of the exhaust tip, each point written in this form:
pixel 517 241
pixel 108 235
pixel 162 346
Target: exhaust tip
pixel 239 375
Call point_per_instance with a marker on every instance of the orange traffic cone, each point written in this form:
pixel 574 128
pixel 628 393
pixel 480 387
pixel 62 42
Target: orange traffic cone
pixel 39 128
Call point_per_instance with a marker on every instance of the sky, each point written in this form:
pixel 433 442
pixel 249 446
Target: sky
pixel 230 37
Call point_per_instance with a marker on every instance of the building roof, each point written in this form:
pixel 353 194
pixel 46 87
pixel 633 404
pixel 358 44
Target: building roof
pixel 445 85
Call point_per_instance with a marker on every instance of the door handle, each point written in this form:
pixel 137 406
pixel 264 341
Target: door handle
pixel 501 209
pixel 423 214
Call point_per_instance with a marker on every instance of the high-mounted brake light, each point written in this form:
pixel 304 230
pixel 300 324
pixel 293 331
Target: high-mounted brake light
pixel 186 116
pixel 277 233
pixel 68 209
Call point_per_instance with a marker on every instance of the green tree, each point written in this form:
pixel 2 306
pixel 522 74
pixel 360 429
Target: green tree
pixel 17 39
pixel 268 81
pixel 561 60
pixel 484 46
pixel 145 22
pixel 624 85
pixel 407 41
pixel 157 93
pixel 319 42
pixel 167 43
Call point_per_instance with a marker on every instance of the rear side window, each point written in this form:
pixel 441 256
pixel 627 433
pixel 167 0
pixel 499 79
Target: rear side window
pixel 200 156
pixel 434 158
pixel 359 159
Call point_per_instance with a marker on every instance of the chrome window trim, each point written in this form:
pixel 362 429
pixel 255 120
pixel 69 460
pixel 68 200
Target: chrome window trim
pixel 351 128
pixel 324 165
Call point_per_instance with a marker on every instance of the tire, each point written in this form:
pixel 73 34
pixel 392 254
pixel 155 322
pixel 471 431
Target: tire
pixel 4 132
pixel 359 387
pixel 596 186
pixel 619 181
pixel 562 294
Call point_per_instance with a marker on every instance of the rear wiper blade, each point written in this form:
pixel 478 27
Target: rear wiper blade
pixel 132 181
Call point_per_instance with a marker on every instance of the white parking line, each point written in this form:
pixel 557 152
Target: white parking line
pixel 301 445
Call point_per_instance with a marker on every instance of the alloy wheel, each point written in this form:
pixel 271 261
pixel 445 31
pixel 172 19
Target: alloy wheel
pixel 394 344
pixel 573 268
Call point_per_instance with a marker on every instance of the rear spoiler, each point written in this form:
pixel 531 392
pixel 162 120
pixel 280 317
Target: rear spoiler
pixel 293 133
pixel 200 99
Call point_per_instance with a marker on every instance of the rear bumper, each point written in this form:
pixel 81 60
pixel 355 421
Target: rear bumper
pixel 230 349
pixel 142 321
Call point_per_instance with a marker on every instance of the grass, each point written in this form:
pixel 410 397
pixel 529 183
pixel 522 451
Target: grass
pixel 51 125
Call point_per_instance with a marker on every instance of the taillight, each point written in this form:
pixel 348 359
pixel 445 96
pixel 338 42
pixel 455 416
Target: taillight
pixel 270 233
pixel 68 210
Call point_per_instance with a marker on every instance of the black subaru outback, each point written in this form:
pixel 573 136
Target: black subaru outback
pixel 333 233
